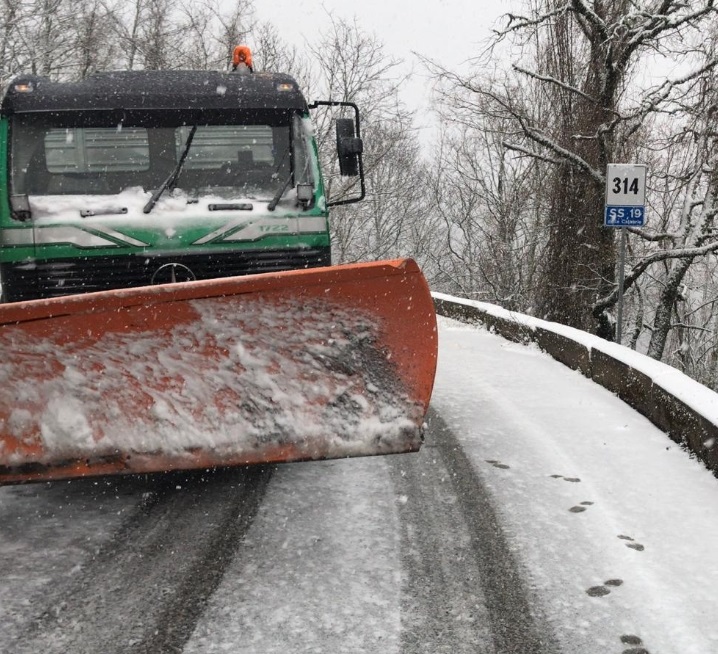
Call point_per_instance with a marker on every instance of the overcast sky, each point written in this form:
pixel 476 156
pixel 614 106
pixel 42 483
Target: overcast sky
pixel 451 31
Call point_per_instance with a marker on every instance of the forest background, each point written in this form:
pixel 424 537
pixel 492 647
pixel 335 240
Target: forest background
pixel 505 203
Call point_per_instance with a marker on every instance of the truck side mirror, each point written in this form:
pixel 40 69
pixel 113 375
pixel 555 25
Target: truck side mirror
pixel 349 147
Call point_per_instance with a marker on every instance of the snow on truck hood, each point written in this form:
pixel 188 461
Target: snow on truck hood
pixel 129 204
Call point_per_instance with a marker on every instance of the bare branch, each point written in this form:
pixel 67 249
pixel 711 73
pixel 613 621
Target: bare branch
pixel 517 23
pixel 563 153
pixel 530 153
pixel 652 237
pixel 553 80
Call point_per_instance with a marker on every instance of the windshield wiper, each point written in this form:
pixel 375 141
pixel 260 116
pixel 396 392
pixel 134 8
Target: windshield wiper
pixel 172 179
pixel 278 195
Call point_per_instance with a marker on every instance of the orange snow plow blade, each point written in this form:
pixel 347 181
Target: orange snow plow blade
pixel 324 363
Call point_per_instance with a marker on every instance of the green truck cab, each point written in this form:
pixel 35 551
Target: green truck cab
pixel 133 178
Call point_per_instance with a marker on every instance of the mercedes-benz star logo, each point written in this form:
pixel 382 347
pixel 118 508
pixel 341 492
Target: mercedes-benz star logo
pixel 170 273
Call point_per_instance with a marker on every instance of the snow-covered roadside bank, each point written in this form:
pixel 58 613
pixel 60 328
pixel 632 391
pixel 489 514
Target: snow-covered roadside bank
pixel 683 408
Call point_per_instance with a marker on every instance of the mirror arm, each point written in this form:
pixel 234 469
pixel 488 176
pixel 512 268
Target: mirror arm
pixel 357 122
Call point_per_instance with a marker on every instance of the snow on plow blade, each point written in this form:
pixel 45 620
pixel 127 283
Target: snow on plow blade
pixel 324 363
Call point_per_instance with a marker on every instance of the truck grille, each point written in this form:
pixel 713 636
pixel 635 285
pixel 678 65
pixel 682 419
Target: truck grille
pixel 46 279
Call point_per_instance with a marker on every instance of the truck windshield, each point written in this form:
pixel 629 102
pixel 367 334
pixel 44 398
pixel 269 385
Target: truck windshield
pixel 71 154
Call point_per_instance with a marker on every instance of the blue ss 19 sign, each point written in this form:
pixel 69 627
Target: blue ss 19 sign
pixel 616 216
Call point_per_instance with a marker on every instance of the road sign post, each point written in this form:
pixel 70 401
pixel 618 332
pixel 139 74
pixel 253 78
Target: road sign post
pixel 625 207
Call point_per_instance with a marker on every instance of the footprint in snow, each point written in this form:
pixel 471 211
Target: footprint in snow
pixel 598 591
pixel 633 544
pixel 580 508
pixel 636 645
pixel 605 589
pixel 573 480
pixel 498 464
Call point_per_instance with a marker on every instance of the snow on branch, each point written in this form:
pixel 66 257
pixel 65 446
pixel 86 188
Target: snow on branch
pixel 530 153
pixel 563 153
pixel 661 94
pixel 660 21
pixel 643 264
pixel 646 236
pixel 678 253
pixel 584 10
pixel 556 82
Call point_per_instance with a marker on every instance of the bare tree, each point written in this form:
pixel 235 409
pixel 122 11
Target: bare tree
pixel 582 56
pixel 492 203
pixel 93 50
pixel 158 35
pixel 41 32
pixel 124 25
pixel 671 260
pixel 198 49
pixel 235 25
pixel 271 53
pixel 10 60
pixel 351 65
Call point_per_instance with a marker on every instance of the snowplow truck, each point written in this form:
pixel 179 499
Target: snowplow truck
pixel 168 295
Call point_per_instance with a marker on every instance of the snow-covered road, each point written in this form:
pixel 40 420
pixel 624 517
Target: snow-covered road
pixel 542 515
pixel 615 525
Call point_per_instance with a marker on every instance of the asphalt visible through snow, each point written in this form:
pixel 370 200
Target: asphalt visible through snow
pixel 143 589
pixel 464 590
pixel 146 585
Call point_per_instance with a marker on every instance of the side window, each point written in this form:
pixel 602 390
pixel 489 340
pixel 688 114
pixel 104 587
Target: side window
pixel 97 150
pixel 302 148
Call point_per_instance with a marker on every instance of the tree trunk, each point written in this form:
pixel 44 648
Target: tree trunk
pixel 666 303
pixel 580 255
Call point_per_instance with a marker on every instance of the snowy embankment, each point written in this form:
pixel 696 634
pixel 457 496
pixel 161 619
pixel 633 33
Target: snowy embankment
pixel 685 409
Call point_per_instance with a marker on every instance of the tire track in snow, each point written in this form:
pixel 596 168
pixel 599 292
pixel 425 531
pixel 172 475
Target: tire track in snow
pixel 145 590
pixel 463 589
